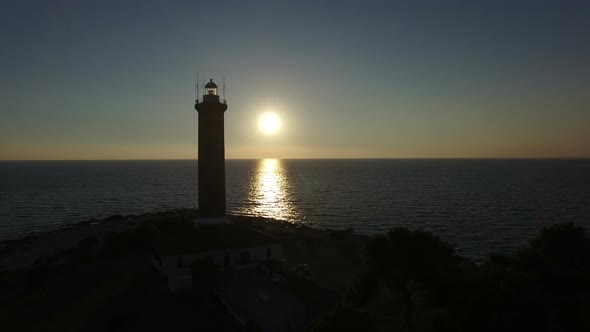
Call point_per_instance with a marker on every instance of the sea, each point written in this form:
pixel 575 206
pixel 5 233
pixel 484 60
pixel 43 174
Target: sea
pixel 484 206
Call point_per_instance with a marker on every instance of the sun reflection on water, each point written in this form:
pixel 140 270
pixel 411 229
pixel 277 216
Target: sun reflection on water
pixel 269 192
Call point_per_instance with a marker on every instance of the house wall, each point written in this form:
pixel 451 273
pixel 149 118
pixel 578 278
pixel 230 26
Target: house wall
pixel 181 276
pixel 180 281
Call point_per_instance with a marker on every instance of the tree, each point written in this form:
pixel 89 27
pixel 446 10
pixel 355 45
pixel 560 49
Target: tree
pixel 559 249
pixel 205 270
pixel 545 288
pixel 557 266
pixel 344 318
pixel 410 261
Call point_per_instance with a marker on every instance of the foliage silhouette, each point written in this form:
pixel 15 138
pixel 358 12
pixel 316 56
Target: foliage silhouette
pixel 544 288
pixel 409 261
pixel 344 318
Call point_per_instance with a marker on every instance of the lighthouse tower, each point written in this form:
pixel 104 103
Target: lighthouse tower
pixel 211 156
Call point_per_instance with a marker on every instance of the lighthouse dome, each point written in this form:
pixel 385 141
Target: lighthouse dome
pixel 211 84
pixel 211 88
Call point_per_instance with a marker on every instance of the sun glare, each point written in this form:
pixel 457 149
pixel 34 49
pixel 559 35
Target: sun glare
pixel 269 123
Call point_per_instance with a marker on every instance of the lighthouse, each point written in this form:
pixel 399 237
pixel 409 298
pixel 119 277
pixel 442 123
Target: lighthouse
pixel 211 156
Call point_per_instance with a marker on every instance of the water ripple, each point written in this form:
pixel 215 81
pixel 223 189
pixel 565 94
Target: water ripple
pixel 483 206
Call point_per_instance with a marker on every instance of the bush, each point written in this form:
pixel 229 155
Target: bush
pixel 128 242
pixel 344 318
pixel 89 242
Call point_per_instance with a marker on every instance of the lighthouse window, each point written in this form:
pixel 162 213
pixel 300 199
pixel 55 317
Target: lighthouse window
pixel 211 91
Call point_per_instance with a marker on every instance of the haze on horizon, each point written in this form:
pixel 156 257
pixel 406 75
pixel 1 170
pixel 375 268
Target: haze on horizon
pixel 349 79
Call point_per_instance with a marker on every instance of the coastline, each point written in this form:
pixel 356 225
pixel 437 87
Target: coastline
pixel 80 270
pixel 23 252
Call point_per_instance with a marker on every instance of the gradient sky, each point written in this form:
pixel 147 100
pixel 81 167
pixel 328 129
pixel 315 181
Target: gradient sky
pixel 350 79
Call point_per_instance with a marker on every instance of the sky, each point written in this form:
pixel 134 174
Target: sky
pixel 349 79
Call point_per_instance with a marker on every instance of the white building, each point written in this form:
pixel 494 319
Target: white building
pixel 226 245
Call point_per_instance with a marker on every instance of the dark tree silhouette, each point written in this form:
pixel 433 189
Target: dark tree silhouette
pixel 557 265
pixel 410 261
pixel 344 318
pixel 545 288
pixel 559 249
pixel 205 270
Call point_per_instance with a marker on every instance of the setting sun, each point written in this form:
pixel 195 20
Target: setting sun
pixel 269 123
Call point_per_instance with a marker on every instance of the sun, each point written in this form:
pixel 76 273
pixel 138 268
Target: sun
pixel 269 123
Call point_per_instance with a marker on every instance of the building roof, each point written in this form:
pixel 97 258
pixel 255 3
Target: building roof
pixel 219 237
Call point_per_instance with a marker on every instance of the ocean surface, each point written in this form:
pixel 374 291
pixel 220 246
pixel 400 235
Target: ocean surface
pixel 483 206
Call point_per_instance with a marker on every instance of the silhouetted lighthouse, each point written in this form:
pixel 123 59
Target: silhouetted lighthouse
pixel 211 154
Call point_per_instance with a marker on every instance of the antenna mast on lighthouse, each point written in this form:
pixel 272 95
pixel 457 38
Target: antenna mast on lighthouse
pixel 223 86
pixel 197 88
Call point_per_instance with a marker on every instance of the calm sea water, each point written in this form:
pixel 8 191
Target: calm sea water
pixel 484 206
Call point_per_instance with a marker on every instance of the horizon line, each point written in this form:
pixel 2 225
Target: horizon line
pixel 343 158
